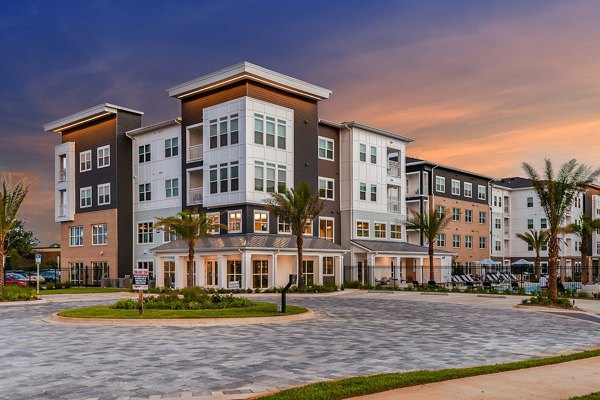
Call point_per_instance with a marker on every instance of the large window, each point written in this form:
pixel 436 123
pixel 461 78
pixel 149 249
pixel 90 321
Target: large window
pixel 455 187
pixel 440 184
pixel 171 147
pixel 214 220
pixel 325 148
pixel 481 192
pixel 223 131
pixel 145 192
pixel 260 274
pixel 456 241
pixel 328 266
pixel 234 170
pixel 326 188
pixel 380 230
pixel 234 272
pixel 362 152
pixel 75 236
pixel 267 128
pixel 270 178
pixel 212 134
pixel 213 175
pixel 103 156
pixel 223 178
pixel 172 187
pixel 85 197
pixel 145 232
pixel 104 194
pixel 309 272
pixel 326 228
pixel 261 221
pixel 99 234
pixel 362 229
pixel 258 129
pixel 76 272
pixel 235 221
pixel 144 153
pixel 281 178
pixel 169 273
pixel 223 134
pixel 468 189
pixel 212 273
pixel 395 231
pixel 283 227
pixel 441 239
pixel 169 235
pixel 469 242
pixel 455 214
pixel 468 215
pixel 85 161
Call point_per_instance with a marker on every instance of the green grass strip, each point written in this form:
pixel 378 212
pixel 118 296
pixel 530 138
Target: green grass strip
pixel 259 310
pixel 591 396
pixel 83 290
pixel 358 386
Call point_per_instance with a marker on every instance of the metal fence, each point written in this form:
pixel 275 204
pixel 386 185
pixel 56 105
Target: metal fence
pixel 74 277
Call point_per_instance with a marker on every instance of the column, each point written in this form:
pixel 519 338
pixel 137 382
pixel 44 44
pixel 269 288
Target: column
pixel 339 278
pixel 222 265
pixel 319 270
pixel 371 263
pixel 421 269
pixel 158 271
pixel 247 270
pixel 180 272
pixel 273 274
pixel 200 269
pixel 397 271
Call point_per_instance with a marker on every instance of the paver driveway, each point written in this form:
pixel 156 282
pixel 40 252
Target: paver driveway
pixel 360 334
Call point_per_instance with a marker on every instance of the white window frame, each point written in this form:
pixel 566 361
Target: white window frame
pixel 441 239
pixel 150 232
pixel 143 155
pixel 481 192
pixel 308 230
pixel 371 155
pixel 497 223
pixel 397 232
pixel 168 235
pixel 88 160
pixel 469 216
pixel 468 242
pixel 455 216
pixel 362 146
pixel 260 213
pixel 230 230
pixel 170 146
pixel 326 189
pixel 482 213
pixel 498 245
pixel 368 228
pixel 529 206
pixel 362 185
pixel 327 220
pixel 455 240
pixel 468 189
pixel 440 184
pixel 76 232
pixel 147 192
pixel 97 234
pixel 102 187
pixel 455 187
pixel 209 217
pixel 380 231
pixel 81 196
pixel 102 158
pixel 172 188
pixel 283 228
pixel 482 240
pixel 325 267
pixel 326 142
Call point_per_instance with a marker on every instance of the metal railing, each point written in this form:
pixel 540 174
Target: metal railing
pixel 62 210
pixel 394 205
pixel 195 196
pixel 194 153
pixel 394 169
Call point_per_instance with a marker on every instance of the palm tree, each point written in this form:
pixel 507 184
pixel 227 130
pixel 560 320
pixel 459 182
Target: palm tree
pixel 296 207
pixel 11 199
pixel 584 228
pixel 556 194
pixel 536 240
pixel 190 226
pixel 430 225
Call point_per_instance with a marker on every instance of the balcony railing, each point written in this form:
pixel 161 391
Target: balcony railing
pixel 62 210
pixel 394 205
pixel 393 169
pixel 194 153
pixel 62 175
pixel 412 190
pixel 195 196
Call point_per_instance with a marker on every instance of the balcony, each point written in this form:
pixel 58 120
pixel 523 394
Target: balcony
pixel 62 210
pixel 195 196
pixel 394 205
pixel 62 175
pixel 394 169
pixel 194 153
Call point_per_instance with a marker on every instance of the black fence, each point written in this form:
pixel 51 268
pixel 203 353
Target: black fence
pixel 72 277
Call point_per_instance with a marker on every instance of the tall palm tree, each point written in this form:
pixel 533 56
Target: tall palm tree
pixel 11 199
pixel 296 207
pixel 190 226
pixel 556 194
pixel 584 228
pixel 430 225
pixel 536 240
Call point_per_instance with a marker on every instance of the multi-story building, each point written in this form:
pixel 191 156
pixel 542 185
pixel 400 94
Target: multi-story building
pixel 93 200
pixel 156 186
pixel 592 208
pixel 464 195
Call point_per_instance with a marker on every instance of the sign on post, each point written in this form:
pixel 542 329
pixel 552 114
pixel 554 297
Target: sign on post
pixel 38 259
pixel 140 279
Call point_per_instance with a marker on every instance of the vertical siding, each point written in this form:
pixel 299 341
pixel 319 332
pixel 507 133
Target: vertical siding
pixel 331 169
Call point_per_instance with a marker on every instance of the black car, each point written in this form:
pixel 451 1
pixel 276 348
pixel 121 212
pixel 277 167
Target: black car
pixel 50 275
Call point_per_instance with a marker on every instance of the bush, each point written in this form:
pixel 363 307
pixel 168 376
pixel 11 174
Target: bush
pixel 353 285
pixel 128 304
pixel 539 300
pixel 17 293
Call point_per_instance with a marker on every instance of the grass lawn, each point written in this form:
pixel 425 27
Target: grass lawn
pixel 357 386
pixel 259 310
pixel 83 290
pixel 591 396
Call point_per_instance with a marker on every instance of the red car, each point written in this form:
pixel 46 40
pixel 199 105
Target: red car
pixel 16 279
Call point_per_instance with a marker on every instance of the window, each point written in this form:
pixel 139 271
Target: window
pixel 482 217
pixel 442 211
pixel 283 227
pixel 373 155
pixel 497 224
pixel 281 134
pixel 455 214
pixel 395 231
pixel 362 191
pixel 214 220
pixel 99 271
pixel 144 153
pixel 76 270
pixel 529 247
pixel 85 197
pixel 169 235
pixel 224 186
pixel 308 229
pixel 499 201
pixel 145 232
pixel 495 201
pixel 223 134
pixel 145 192
pixel 260 274
pixel 482 242
pixel 373 192
pixel 261 221
pixel 270 132
pixel 544 247
pixel 281 178
pixel 455 187
pixel 104 194
pixel 543 223
pixel 530 224
pixel 171 147
pixel 258 129
pixel 597 247
pixel 362 229
pixel 85 161
pixel 326 188
pixel 456 241
pixel 326 228
pixel 481 192
pixel 309 272
pixel 530 202
pixel 75 236
pixel 468 189
pixel 328 266
pixel 469 242
pixel 362 152
pixel 103 156
pixel 440 184
pixel 172 187
pixel 380 230
pixel 498 246
pixel 325 149
pixel 468 215
pixel 149 265
pixel 234 133
pixel 212 134
pixel 234 272
pixel 213 183
pixel 259 176
pixel 235 221
pixel 234 171
pixel 270 178
pixel 99 234
pixel 441 239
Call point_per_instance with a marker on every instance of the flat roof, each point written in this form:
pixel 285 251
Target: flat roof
pixel 370 128
pixel 246 70
pixel 86 115
pixel 417 161
pixel 153 127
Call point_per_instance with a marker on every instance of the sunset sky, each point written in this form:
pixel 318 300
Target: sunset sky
pixel 481 85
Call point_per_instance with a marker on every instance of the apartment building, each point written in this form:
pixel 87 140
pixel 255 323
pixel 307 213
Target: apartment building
pixel 93 200
pixel 591 203
pixel 462 194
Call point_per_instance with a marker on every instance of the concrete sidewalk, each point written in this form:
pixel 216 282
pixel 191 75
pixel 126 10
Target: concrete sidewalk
pixel 557 381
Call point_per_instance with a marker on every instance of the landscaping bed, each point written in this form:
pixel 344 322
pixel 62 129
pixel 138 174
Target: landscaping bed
pixel 17 293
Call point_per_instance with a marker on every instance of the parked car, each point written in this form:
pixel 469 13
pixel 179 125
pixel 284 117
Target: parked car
pixel 12 278
pixel 31 275
pixel 51 275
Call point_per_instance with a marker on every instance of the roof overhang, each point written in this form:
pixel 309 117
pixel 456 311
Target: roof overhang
pixel 85 116
pixel 248 71
pixel 393 135
pixel 438 165
pixel 150 128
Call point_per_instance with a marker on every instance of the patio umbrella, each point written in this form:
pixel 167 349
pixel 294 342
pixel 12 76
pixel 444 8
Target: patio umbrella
pixel 522 262
pixel 488 261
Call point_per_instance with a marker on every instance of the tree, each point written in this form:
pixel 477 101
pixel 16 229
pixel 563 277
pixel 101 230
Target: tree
pixel 296 207
pixel 430 225
pixel 536 240
pixel 11 198
pixel 20 239
pixel 190 226
pixel 584 228
pixel 556 194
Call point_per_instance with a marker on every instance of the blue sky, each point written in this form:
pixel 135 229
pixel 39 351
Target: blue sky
pixel 478 84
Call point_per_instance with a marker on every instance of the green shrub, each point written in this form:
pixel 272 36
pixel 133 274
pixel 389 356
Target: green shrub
pixel 353 285
pixel 128 304
pixel 17 293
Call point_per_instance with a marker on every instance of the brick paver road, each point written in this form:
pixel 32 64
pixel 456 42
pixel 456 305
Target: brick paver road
pixel 360 334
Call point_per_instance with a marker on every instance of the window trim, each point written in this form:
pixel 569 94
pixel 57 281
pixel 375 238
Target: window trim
pixel 229 230
pixel 385 232
pixel 260 222
pixel 103 185
pixel 481 192
pixel 362 221
pixel 398 231
pixel 327 180
pixel 442 182
pixel 452 187
pixel 326 140
pixel 332 228
pixel 279 223
pixel 150 232
pixel 86 152
pixel 105 234
pixel 332 266
pixel 171 147
pixel 172 180
pixel 71 236
pixel 98 158
pixel 470 185
pixel 90 197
